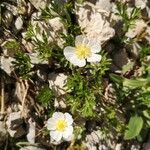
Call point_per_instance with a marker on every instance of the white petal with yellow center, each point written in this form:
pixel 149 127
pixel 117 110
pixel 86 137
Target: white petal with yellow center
pixel 60 126
pixel 71 56
pixel 83 51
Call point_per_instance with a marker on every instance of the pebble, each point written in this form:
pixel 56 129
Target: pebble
pixel 35 59
pixel 14 120
pixel 14 125
pixel 136 147
pixel 118 146
pixel 39 4
pixel 6 64
pixel 8 18
pixel 11 8
pixel 57 83
pixel 19 23
pixel 31 133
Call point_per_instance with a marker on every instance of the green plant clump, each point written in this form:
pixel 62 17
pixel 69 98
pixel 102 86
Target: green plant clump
pixel 85 86
pixel 22 64
pixel 46 97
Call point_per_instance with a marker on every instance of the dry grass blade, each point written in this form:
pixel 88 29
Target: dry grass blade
pixel 2 97
pixel 24 87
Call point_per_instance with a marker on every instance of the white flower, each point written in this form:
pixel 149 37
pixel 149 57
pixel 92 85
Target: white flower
pixel 60 126
pixel 85 49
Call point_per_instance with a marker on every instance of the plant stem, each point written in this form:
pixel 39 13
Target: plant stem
pixel 2 96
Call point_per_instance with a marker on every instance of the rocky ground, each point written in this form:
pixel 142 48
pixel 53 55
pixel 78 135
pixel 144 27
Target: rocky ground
pixel 23 118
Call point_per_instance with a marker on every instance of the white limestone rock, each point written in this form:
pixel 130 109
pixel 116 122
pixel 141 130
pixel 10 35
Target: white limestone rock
pixel 6 64
pixel 39 4
pixel 57 82
pixel 93 22
pixel 31 133
pixel 14 125
pixel 19 23
pixel 139 27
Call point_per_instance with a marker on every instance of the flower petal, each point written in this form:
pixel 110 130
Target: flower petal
pixel 51 124
pixel 70 138
pixel 56 135
pixel 68 132
pixel 70 55
pixel 68 52
pixel 94 58
pixel 95 46
pixel 68 118
pixel 77 62
pixel 58 115
pixel 81 39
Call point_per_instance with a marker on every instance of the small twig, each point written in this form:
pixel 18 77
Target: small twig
pixel 15 76
pixel 20 144
pixel 2 97
pixel 6 145
pixel 25 87
pixel 71 145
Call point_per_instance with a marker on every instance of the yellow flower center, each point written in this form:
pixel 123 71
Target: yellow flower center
pixel 83 51
pixel 61 125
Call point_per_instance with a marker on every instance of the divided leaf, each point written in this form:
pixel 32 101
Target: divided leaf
pixel 45 96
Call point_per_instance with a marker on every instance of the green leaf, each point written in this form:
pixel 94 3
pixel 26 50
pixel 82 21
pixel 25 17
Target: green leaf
pixel 136 83
pixel 131 83
pixel 45 96
pixel 22 64
pixel 13 45
pixel 30 32
pixel 145 51
pixel 116 78
pixel 129 66
pixel 134 127
pixel 148 123
pixel 80 1
pixel 146 114
pixel 127 18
